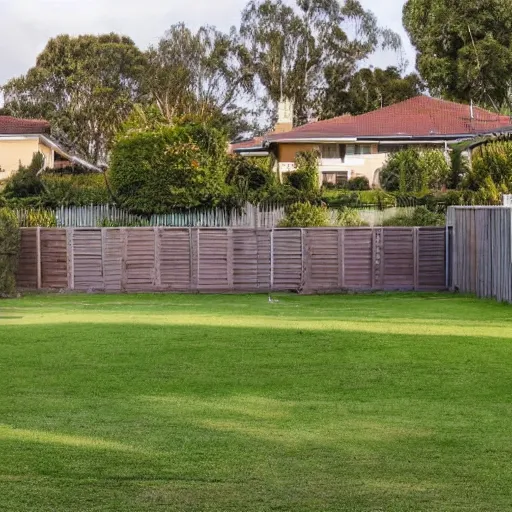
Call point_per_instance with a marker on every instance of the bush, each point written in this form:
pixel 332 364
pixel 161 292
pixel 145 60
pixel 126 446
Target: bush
pixel 491 172
pixel 180 166
pixel 26 182
pixel 74 189
pixel 358 183
pixel 37 218
pixel 415 171
pixel 420 216
pixel 306 176
pixel 9 251
pixel 349 218
pixel 305 215
pixel 377 198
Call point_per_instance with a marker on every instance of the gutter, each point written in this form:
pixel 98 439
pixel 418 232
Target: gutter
pixel 72 158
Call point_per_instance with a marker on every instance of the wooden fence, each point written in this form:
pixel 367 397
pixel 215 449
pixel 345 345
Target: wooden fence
pixel 481 251
pixel 233 260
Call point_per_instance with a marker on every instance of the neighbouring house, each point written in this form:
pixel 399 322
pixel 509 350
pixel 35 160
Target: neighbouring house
pixel 20 139
pixel 351 146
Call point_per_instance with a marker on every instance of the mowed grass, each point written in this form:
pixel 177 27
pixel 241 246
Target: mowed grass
pixel 382 402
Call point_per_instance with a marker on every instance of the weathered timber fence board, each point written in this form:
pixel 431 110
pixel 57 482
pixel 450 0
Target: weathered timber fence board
pixel 482 251
pixel 233 259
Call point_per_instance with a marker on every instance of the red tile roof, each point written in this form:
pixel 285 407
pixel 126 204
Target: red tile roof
pixel 421 116
pixel 254 142
pixel 14 126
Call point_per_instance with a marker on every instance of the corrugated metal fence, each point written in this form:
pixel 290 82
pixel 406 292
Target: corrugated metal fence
pixel 481 251
pixel 227 260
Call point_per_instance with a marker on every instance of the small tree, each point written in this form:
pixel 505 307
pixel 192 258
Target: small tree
pixel 9 251
pixel 306 175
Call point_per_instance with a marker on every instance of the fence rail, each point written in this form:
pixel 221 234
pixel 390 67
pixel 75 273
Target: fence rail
pixel 232 260
pixel 482 251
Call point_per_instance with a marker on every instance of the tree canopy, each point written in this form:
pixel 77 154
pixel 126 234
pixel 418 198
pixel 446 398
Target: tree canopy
pixel 464 49
pixel 367 90
pixel 293 48
pixel 85 86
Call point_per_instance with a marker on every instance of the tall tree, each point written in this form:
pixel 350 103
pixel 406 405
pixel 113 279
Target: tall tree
pixel 464 49
pixel 85 86
pixel 200 75
pixel 292 47
pixel 366 90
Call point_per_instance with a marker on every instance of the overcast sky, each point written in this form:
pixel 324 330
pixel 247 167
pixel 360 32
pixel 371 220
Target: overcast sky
pixel 26 25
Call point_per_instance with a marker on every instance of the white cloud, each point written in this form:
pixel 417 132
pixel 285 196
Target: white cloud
pixel 26 25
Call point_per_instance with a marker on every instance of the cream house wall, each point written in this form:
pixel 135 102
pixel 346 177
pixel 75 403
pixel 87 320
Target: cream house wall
pixel 16 150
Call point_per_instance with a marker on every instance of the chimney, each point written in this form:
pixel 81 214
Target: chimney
pixel 284 116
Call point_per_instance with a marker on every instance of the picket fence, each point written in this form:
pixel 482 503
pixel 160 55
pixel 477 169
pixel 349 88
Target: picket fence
pixel 232 259
pixel 250 216
pixel 481 251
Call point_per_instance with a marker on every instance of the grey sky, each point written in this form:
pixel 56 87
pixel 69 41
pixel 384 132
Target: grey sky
pixel 26 25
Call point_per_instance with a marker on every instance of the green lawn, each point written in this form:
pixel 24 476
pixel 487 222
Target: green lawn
pixel 384 402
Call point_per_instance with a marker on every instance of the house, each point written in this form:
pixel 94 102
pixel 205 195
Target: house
pixel 20 139
pixel 351 146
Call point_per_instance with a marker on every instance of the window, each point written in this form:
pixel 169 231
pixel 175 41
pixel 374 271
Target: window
pixel 359 149
pixel 330 151
pixel 335 178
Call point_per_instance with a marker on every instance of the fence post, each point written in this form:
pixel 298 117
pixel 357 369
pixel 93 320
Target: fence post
pixel 124 257
pixel 38 259
pixel 416 256
pixel 272 259
pixel 157 282
pixel 71 258
pixel 229 261
pixel 341 258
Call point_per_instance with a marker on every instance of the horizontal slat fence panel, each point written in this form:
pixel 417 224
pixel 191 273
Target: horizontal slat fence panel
pixel 54 259
pixel 233 259
pixel 27 267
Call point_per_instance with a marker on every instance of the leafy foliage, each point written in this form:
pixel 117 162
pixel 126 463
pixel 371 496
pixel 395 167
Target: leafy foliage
pixel 26 182
pixel 367 90
pixel 176 166
pixel 305 215
pixel 37 218
pixel 74 189
pixel 199 75
pixel 306 176
pixel 349 218
pixel 85 86
pixel 412 170
pixel 491 172
pixel 464 49
pixel 420 216
pixel 358 183
pixel 294 47
pixel 9 251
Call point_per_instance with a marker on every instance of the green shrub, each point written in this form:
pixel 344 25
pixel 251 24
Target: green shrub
pixel 171 167
pixel 305 215
pixel 306 176
pixel 349 218
pixel 74 189
pixel 358 183
pixel 138 223
pixel 25 182
pixel 491 172
pixel 9 251
pixel 37 218
pixel 420 216
pixel 412 170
